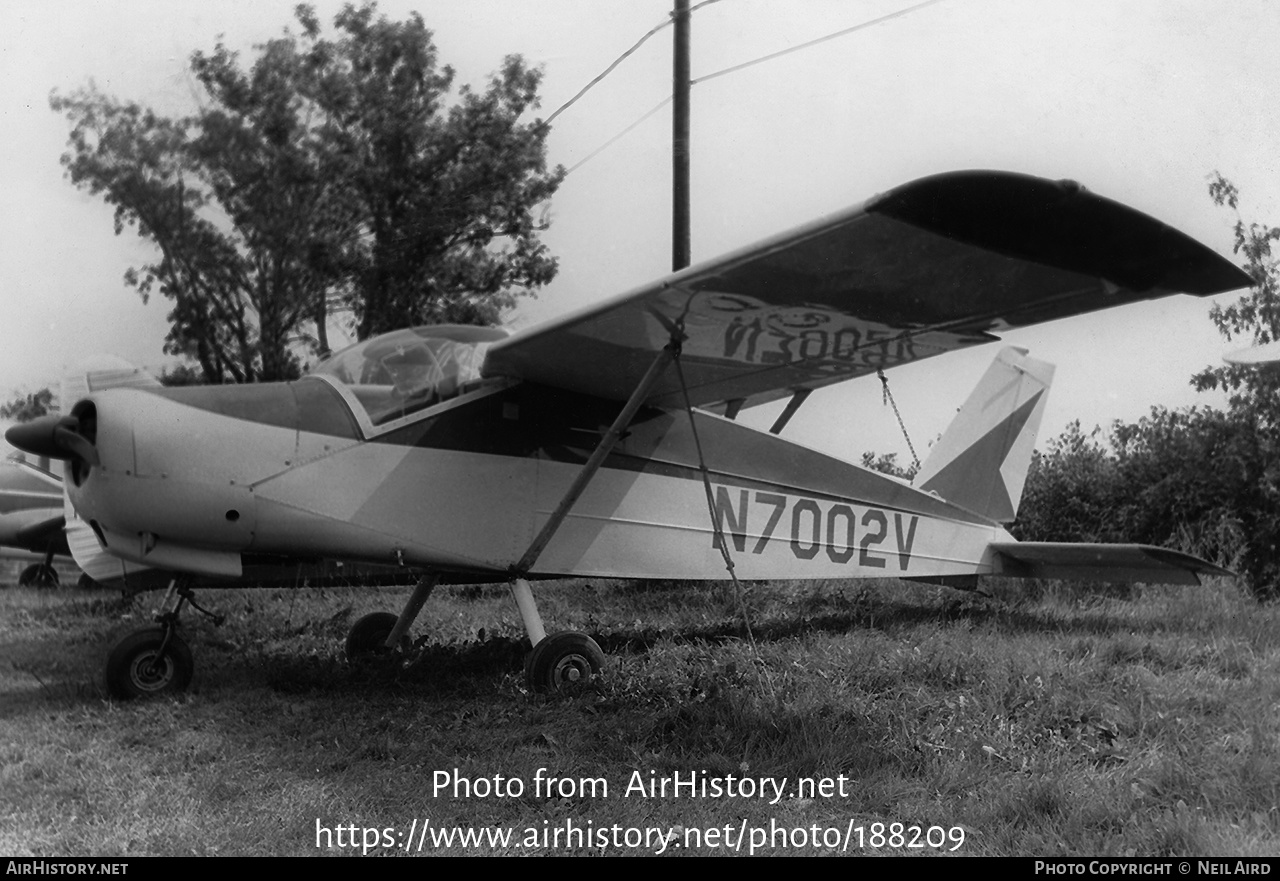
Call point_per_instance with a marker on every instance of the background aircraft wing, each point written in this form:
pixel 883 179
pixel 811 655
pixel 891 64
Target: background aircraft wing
pixel 935 265
pixel 44 529
pixel 1268 353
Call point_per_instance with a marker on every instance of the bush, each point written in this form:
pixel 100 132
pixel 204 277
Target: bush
pixel 1199 480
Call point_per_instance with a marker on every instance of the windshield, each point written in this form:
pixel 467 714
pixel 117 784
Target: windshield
pixel 403 371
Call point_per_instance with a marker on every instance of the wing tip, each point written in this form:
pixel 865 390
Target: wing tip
pixel 1061 223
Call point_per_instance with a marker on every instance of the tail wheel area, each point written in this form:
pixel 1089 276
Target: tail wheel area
pixel 368 636
pixel 38 575
pixel 563 660
pixel 149 662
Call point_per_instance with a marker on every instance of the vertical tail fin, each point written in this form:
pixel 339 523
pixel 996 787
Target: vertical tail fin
pixel 981 462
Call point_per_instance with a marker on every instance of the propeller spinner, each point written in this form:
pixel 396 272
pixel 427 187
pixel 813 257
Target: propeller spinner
pixel 70 438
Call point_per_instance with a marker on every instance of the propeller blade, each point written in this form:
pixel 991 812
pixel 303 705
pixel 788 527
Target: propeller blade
pixel 57 437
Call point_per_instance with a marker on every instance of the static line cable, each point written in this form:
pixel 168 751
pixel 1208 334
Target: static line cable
pixel 888 399
pixel 716 529
pixel 856 27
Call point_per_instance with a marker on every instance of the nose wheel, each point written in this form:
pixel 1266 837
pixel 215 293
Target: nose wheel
pixel 149 662
pixel 155 660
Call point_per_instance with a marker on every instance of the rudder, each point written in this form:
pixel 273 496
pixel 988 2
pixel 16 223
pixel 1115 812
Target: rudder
pixel 982 459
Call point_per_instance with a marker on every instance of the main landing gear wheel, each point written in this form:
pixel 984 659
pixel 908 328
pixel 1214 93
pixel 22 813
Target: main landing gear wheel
pixel 563 660
pixel 149 662
pixel 38 575
pixel 368 636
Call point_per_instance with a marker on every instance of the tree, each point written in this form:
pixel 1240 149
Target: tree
pixel 24 408
pixel 1255 316
pixel 237 291
pixel 1071 490
pixel 331 176
pixel 432 192
pixel 1200 479
pixel 887 463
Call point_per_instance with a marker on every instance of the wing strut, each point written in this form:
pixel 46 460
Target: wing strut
pixel 800 396
pixel 607 443
pixel 566 656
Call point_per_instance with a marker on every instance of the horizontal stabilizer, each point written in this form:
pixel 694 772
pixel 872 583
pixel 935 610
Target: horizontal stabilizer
pixel 1129 563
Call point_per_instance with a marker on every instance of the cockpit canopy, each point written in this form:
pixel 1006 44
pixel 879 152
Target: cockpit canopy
pixel 403 371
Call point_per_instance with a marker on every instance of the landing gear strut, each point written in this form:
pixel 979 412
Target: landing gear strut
pixel 368 636
pixel 560 661
pixel 564 659
pixel 155 660
pixel 381 633
pixel 40 574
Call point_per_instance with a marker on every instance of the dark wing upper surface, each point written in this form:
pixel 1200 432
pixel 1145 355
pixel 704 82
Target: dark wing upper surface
pixel 935 265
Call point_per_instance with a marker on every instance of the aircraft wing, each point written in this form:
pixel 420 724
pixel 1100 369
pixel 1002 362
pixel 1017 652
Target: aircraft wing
pixel 935 265
pixel 1100 562
pixel 1268 353
pixel 42 530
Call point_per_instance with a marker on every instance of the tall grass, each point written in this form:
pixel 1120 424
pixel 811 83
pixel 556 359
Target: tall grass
pixel 1041 720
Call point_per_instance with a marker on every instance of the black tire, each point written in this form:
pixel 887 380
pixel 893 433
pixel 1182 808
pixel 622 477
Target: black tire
pixel 38 575
pixel 84 582
pixel 136 667
pixel 368 636
pixel 562 661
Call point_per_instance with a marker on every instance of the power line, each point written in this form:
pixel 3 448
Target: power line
pixel 718 73
pixel 621 58
pixel 856 27
pixel 608 70
pixel 598 150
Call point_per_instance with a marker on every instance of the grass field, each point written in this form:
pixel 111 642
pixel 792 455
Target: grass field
pixel 1040 721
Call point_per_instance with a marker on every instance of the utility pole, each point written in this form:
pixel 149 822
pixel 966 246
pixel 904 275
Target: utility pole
pixel 680 247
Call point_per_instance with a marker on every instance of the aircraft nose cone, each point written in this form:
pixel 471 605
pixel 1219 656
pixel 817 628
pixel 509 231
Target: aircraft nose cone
pixel 58 437
pixel 37 437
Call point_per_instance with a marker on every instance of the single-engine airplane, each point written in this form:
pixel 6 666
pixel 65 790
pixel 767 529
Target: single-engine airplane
pixel 604 443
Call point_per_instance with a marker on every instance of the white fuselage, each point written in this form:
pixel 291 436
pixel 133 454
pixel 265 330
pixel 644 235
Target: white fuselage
pixel 464 487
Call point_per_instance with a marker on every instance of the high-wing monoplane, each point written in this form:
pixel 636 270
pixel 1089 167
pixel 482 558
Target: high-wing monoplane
pixel 605 443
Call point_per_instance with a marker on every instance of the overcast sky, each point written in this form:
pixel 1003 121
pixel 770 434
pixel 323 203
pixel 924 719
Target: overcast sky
pixel 1140 101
